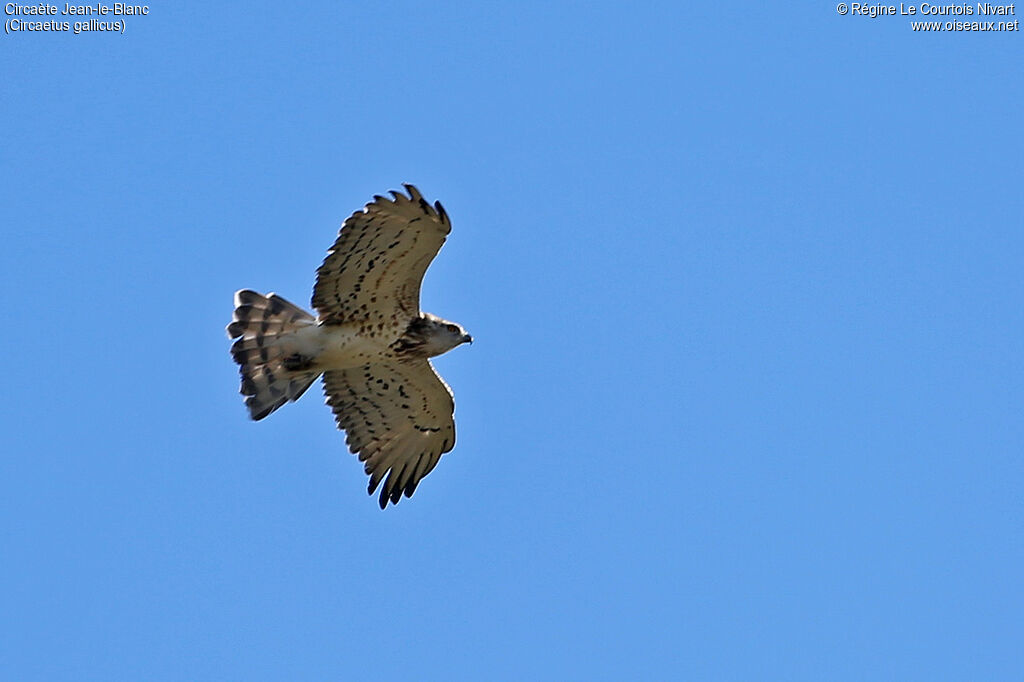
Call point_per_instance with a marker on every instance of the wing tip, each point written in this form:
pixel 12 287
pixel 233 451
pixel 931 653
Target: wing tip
pixel 441 213
pixel 379 202
pixel 414 194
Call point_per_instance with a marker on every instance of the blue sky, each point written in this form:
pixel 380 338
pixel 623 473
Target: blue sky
pixel 744 402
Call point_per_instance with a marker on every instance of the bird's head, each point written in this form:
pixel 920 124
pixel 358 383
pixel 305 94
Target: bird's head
pixel 440 336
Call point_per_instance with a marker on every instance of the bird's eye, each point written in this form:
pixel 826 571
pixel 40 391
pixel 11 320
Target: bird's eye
pixel 452 328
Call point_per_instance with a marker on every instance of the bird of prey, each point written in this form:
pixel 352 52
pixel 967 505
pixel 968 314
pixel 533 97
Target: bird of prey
pixel 370 341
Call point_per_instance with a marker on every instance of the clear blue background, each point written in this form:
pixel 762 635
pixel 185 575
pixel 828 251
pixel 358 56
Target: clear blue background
pixel 745 401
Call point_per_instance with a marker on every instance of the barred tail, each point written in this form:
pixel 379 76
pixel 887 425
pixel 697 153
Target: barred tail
pixel 271 368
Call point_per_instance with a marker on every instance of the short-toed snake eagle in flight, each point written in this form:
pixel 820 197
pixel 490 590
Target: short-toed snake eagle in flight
pixel 370 342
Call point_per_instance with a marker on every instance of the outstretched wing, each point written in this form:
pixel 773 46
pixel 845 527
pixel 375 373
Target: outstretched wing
pixel 399 418
pixel 372 274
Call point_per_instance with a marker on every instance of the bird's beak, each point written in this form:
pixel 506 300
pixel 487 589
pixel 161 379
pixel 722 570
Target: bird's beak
pixel 466 338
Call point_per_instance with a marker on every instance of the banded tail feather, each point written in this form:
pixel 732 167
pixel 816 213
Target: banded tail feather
pixel 271 368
